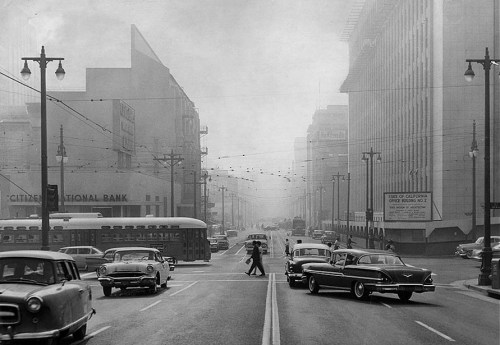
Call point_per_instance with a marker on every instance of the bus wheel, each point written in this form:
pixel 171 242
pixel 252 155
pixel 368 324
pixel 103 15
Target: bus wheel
pixel 106 290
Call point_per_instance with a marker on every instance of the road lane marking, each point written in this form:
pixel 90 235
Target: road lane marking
pixel 386 305
pixel 243 247
pixel 93 334
pixel 187 287
pixel 151 305
pixel 271 331
pixel 435 331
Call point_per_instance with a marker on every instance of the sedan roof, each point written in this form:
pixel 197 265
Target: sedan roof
pixel 39 254
pixel 310 245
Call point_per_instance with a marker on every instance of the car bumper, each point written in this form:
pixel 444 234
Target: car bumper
pixel 53 333
pixel 127 281
pixel 394 288
pixel 294 276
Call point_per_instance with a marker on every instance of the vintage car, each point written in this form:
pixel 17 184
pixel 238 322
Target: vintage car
pixel 214 246
pixel 222 241
pixel 362 272
pixel 329 237
pixel 301 254
pixel 317 234
pixel 81 253
pixel 42 297
pixel 232 233
pixel 93 263
pixel 256 237
pixel 465 250
pixel 134 267
pixel 477 254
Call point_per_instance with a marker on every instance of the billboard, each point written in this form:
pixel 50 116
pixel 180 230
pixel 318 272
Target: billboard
pixel 408 207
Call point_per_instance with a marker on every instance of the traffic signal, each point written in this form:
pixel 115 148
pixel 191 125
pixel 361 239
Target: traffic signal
pixel 52 197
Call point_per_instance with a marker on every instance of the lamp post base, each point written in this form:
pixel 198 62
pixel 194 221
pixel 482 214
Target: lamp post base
pixel 485 275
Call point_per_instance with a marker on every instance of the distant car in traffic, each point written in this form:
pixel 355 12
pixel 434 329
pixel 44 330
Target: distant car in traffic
pixel 222 241
pixel 328 236
pixel 362 272
pixel 134 267
pixel 42 297
pixel 93 263
pixel 301 254
pixel 317 234
pixel 214 245
pixel 256 237
pixel 465 250
pixel 81 253
pixel 477 254
pixel 232 232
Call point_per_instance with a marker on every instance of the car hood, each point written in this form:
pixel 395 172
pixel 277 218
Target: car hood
pixel 18 290
pixel 129 265
pixel 470 245
pixel 306 260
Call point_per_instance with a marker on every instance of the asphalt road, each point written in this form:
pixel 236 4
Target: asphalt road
pixel 215 303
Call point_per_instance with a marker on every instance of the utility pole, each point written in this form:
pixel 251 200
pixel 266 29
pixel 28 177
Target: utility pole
pixel 222 227
pixel 62 159
pixel 337 178
pixel 473 153
pixel 205 176
pixel 172 160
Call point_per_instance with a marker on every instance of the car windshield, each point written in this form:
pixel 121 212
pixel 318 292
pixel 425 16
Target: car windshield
pixel 133 255
pixel 380 259
pixel 479 240
pixel 27 270
pixel 311 252
pixel 221 237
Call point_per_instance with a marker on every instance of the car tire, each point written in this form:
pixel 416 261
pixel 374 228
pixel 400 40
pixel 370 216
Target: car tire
pixel 313 285
pixel 164 285
pixel 106 290
pixel 359 291
pixel 153 289
pixel 80 333
pixel 405 295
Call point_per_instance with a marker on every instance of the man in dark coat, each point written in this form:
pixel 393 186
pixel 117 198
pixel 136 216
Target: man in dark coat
pixel 256 260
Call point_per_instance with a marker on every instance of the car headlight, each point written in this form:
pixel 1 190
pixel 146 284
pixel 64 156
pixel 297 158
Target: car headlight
pixel 264 245
pixel 34 304
pixel 428 280
pixel 150 269
pixel 102 270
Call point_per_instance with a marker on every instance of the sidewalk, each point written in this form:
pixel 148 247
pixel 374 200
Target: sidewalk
pixel 487 289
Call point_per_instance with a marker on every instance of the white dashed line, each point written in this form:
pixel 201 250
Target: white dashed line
pixel 151 305
pixel 187 287
pixel 93 334
pixel 435 331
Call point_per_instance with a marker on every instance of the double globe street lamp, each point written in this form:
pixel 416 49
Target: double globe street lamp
pixel 60 73
pixel 484 276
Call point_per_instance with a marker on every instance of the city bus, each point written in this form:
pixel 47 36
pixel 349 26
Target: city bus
pixel 185 239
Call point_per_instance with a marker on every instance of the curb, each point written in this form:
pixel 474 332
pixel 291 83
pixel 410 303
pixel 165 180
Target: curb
pixel 485 289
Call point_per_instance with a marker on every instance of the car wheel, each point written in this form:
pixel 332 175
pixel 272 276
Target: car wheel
pixel 313 285
pixel 106 290
pixel 80 333
pixel 405 295
pixel 360 291
pixel 153 289
pixel 164 285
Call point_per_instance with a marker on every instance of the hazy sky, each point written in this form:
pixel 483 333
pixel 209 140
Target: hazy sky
pixel 255 69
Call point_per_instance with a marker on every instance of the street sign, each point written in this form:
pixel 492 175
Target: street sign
pixel 495 205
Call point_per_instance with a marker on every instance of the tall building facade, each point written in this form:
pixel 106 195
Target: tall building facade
pixel 132 139
pixel 327 138
pixel 409 101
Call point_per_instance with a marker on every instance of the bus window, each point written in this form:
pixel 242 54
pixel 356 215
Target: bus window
pixel 33 238
pixel 57 238
pixel 8 239
pixel 34 228
pixel 21 238
pixel 58 227
pixel 117 227
pixel 129 237
pixel 140 227
pixel 151 226
pixel 8 228
pixel 21 228
pixel 129 227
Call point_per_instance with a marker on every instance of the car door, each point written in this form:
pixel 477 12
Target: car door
pixel 332 272
pixel 163 267
pixel 80 257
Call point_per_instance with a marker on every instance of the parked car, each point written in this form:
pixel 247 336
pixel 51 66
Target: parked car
pixel 214 246
pixel 256 237
pixel 317 234
pixel 477 254
pixel 328 236
pixel 301 254
pixel 81 253
pixel 42 297
pixel 362 273
pixel 222 241
pixel 134 267
pixel 465 250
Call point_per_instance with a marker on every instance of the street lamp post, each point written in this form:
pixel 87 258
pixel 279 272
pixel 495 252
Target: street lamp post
pixel 222 227
pixel 348 197
pixel 172 160
pixel 62 159
pixel 205 176
pixel 484 276
pixel 473 154
pixel 369 210
pixel 320 214
pixel 333 201
pixel 337 178
pixel 25 73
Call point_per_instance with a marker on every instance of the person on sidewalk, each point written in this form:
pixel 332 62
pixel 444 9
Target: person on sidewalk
pixel 349 242
pixel 287 247
pixel 256 260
